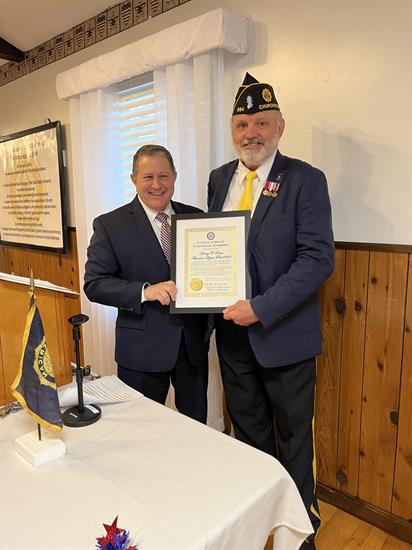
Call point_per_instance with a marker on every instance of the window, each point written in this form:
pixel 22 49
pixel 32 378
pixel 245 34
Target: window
pixel 136 123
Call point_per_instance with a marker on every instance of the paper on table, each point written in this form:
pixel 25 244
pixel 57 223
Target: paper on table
pixel 108 389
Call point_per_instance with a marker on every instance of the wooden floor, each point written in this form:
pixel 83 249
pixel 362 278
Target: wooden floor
pixel 341 531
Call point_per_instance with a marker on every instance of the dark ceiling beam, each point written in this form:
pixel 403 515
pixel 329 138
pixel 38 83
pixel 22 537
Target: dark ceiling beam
pixel 10 52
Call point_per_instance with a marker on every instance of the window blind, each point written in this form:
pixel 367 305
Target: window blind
pixel 136 124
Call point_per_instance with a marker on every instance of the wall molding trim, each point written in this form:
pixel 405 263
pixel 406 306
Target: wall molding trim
pixel 378 247
pixel 113 20
pixel 400 528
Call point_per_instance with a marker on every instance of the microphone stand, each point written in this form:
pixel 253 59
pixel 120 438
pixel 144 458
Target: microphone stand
pixel 80 415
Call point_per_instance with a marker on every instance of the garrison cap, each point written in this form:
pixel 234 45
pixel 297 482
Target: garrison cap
pixel 254 97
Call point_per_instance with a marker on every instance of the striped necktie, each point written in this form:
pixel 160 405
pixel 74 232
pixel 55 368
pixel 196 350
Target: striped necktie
pixel 246 200
pixel 165 235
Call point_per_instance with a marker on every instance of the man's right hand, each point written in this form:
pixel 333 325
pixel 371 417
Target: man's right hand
pixel 164 292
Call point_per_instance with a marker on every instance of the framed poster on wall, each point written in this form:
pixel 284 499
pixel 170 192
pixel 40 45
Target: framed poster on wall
pixel 32 207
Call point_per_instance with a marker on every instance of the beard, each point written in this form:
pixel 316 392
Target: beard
pixel 256 158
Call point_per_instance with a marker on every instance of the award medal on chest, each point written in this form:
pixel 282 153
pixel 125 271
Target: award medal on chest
pixel 271 188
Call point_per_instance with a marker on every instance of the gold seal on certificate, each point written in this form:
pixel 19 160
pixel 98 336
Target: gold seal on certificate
pixel 196 284
pixel 209 260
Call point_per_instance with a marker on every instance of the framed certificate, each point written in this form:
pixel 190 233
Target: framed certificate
pixel 209 261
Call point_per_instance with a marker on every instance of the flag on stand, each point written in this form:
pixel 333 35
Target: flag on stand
pixel 35 386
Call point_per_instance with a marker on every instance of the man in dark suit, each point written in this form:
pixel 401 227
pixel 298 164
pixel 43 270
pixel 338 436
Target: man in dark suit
pixel 267 345
pixel 128 268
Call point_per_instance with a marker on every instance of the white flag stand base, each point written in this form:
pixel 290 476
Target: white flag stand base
pixel 39 452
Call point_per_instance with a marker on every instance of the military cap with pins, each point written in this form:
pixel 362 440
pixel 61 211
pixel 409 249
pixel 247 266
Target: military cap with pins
pixel 254 97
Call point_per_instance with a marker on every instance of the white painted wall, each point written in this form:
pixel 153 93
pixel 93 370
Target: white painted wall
pixel 342 72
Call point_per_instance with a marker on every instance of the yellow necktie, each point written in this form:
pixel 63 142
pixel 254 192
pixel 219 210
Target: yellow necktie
pixel 246 200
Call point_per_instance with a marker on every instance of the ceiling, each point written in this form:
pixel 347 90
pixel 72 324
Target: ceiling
pixel 28 23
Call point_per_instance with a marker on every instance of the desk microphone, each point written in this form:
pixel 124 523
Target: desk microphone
pixel 80 415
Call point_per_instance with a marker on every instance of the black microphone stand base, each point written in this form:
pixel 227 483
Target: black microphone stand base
pixel 80 415
pixel 74 418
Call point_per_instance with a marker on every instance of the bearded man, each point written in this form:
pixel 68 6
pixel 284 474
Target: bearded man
pixel 267 345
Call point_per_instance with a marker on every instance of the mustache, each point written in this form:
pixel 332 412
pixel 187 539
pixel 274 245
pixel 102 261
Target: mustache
pixel 252 141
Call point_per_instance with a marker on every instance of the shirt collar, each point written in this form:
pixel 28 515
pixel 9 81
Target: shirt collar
pixel 151 214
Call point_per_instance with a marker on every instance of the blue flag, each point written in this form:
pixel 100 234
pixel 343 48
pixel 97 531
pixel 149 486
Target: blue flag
pixel 35 386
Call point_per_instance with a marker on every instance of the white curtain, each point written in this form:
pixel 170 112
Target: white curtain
pixel 94 173
pixel 189 121
pixel 187 64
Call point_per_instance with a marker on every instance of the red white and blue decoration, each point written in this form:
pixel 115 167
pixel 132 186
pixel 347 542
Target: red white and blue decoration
pixel 115 538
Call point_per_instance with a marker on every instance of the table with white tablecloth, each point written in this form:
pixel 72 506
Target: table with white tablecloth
pixel 174 484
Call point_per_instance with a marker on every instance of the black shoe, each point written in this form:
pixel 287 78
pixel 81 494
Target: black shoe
pixel 308 545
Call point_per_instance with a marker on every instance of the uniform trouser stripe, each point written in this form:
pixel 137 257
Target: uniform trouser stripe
pixel 314 511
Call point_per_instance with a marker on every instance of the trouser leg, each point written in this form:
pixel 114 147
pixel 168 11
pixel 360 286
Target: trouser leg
pixel 190 384
pixel 246 399
pixel 291 390
pixel 154 385
pixel 256 395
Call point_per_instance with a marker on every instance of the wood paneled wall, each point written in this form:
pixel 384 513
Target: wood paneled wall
pixel 364 388
pixel 60 269
pixel 55 308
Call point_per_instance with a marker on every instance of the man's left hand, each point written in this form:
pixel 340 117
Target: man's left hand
pixel 240 313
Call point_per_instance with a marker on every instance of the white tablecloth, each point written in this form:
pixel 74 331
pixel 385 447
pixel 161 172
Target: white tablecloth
pixel 174 483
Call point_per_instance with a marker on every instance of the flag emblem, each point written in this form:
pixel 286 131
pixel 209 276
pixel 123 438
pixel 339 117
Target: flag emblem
pixel 43 365
pixel 35 384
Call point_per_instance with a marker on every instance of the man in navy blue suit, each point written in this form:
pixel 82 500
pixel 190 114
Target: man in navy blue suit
pixel 128 268
pixel 267 345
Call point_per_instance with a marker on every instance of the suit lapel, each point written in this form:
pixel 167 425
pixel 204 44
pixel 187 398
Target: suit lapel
pixel 144 230
pixel 177 208
pixel 278 170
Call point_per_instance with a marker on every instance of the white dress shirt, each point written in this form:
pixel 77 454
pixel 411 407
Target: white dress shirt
pixel 151 215
pixel 237 185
